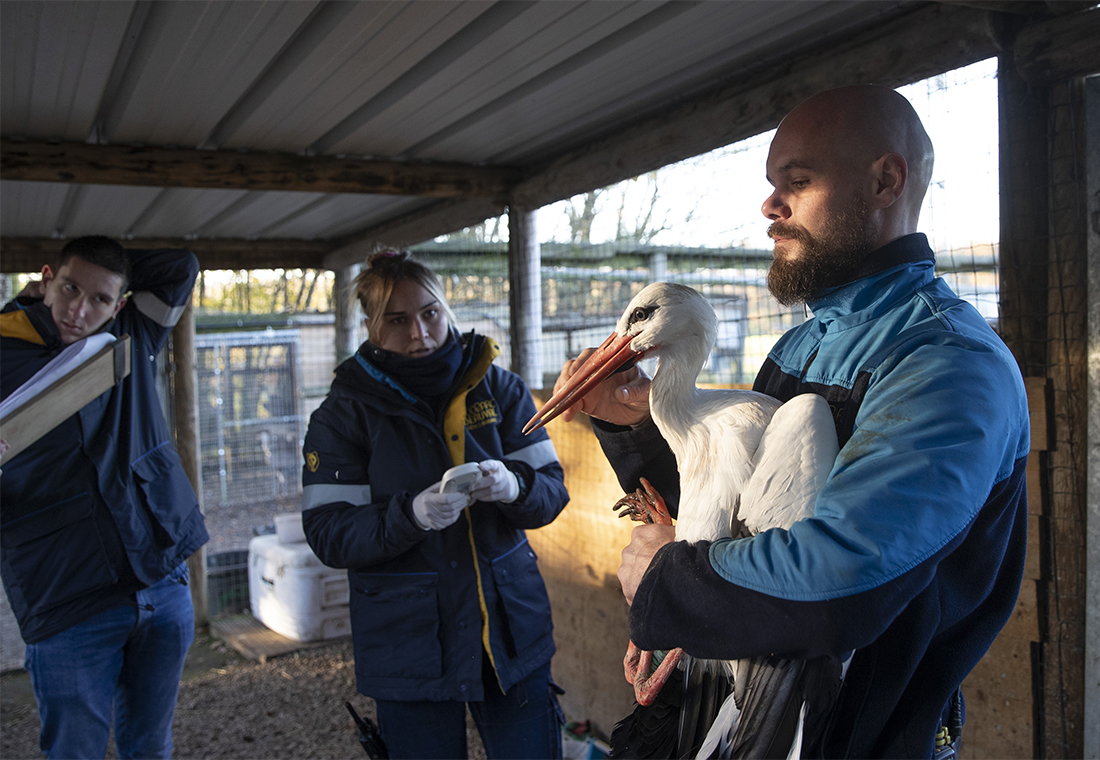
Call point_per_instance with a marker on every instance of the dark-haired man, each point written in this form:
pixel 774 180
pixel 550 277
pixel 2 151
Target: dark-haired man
pixel 914 556
pixel 99 516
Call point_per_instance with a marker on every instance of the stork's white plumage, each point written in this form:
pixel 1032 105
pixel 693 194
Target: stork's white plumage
pixel 746 462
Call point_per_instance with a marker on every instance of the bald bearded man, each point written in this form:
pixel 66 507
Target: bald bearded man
pixel 914 556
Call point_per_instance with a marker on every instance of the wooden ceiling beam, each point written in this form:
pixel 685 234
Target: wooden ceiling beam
pixel 82 163
pixel 415 227
pixel 1059 48
pixel 1025 7
pixel 22 254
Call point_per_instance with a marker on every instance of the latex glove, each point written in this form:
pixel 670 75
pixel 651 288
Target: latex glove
pixel 497 483
pixel 435 511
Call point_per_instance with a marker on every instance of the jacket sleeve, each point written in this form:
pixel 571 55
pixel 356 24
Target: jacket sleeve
pixel 941 436
pixel 640 452
pixel 343 523
pixel 532 458
pixel 161 281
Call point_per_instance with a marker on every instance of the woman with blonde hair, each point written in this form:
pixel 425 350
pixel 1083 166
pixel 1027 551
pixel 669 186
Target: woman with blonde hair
pixel 448 607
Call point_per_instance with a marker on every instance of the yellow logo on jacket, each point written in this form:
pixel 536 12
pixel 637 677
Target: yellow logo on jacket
pixel 313 461
pixel 482 413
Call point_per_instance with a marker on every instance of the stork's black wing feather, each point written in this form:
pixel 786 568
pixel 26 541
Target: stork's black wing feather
pixel 675 725
pixel 705 689
pixel 650 731
pixel 769 693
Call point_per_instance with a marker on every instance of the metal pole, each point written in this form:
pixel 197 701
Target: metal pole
pixel 525 298
pixel 347 314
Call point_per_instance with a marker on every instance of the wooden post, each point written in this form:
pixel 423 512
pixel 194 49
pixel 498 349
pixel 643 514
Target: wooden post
pixel 1092 603
pixel 1067 366
pixel 347 315
pixel 525 297
pixel 186 397
pixel 1044 303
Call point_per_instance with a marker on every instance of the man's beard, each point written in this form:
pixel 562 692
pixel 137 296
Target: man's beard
pixel 825 261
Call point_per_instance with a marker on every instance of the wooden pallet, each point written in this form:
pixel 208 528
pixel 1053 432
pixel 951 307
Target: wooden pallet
pixel 255 640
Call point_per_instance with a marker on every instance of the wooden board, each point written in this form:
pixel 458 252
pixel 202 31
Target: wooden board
pixel 64 398
pixel 1039 400
pixel 255 640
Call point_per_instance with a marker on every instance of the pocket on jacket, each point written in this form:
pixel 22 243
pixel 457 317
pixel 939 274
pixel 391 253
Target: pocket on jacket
pixel 162 486
pixel 56 554
pixel 396 625
pixel 523 594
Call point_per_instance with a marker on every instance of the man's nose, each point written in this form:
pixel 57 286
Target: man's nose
pixel 78 306
pixel 774 208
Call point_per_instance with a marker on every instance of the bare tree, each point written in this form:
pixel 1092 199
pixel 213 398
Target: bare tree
pixel 644 226
pixel 580 220
pixel 488 231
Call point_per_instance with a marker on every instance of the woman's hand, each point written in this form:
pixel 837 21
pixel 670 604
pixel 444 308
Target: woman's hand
pixel 436 511
pixel 497 483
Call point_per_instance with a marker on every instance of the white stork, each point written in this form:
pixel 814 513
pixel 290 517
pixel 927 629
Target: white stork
pixel 746 464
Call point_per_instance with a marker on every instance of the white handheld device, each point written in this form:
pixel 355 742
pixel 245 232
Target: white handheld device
pixel 460 478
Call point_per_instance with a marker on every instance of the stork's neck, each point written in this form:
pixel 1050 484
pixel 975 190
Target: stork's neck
pixel 673 397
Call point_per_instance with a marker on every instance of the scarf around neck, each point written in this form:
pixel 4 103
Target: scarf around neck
pixel 429 378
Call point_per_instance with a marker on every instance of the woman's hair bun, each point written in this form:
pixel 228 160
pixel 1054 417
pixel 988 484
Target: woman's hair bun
pixel 387 257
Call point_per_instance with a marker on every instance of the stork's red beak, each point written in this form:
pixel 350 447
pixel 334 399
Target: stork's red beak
pixel 605 360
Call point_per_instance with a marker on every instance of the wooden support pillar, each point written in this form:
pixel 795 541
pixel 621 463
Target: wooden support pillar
pixel 1092 595
pixel 1067 367
pixel 1044 302
pixel 347 312
pixel 1092 604
pixel 186 399
pixel 525 296
pixel 1022 115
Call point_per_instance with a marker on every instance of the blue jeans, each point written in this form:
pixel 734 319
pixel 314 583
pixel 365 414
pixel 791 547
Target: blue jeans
pixel 523 723
pixel 128 660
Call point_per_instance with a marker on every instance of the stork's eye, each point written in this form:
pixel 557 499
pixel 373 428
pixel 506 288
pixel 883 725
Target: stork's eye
pixel 642 313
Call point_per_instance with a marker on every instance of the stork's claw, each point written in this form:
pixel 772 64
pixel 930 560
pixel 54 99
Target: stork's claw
pixel 637 665
pixel 644 505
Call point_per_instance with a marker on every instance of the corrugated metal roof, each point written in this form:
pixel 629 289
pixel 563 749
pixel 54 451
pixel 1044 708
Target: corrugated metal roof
pixel 510 83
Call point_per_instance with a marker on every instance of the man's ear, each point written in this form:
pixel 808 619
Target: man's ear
pixel 118 307
pixel 889 175
pixel 47 274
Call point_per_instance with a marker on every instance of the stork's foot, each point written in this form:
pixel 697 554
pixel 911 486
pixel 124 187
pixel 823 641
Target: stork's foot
pixel 644 505
pixel 637 666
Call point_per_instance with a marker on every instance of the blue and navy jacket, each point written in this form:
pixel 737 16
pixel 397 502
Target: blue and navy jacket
pixel 915 553
pixel 426 605
pixel 100 506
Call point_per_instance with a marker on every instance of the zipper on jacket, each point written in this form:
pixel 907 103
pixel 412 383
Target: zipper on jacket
pixel 806 369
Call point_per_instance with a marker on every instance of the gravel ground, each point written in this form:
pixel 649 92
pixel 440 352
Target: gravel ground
pixel 290 707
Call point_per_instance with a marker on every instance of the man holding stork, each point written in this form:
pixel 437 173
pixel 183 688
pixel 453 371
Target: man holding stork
pixel 914 554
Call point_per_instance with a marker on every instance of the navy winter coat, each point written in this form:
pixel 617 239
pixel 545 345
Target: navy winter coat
pixel 100 506
pixel 426 604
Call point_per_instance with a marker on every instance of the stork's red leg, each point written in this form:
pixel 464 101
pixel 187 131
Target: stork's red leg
pixel 644 505
pixel 637 665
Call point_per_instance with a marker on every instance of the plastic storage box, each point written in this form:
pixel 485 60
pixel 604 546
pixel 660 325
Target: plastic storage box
pixel 292 593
